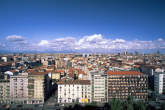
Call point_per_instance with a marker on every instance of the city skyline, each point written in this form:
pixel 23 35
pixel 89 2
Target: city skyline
pixel 76 26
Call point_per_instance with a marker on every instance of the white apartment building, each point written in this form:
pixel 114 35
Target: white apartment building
pixel 99 86
pixel 19 88
pixel 74 91
pixel 159 82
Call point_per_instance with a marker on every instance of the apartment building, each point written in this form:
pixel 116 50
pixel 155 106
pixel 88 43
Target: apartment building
pixel 29 88
pixel 99 86
pixel 159 82
pixel 122 84
pixel 70 91
pixel 4 91
pixel 19 88
pixel 36 89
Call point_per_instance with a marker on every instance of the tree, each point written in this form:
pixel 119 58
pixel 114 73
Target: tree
pixel 129 103
pixel 115 104
pixel 77 107
pixel 150 107
pixel 106 106
pixel 163 106
pixel 140 105
pixel 92 103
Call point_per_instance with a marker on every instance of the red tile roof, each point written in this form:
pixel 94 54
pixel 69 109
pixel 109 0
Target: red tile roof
pixel 5 64
pixel 123 73
pixel 13 71
pixel 37 72
pixel 59 71
pixel 78 71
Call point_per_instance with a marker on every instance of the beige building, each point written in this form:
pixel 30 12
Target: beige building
pixel 32 88
pixel 36 86
pixel 56 75
pixel 4 91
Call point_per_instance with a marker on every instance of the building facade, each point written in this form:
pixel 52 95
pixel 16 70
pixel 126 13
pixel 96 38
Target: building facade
pixel 159 82
pixel 99 86
pixel 4 91
pixel 36 89
pixel 19 89
pixel 122 84
pixel 74 91
pixel 29 88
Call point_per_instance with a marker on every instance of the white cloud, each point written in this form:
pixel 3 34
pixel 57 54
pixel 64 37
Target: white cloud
pixel 15 38
pixel 90 39
pixel 43 42
pixel 92 43
pixel 19 43
pixel 98 42
pixel 93 37
pixel 160 39
pixel 118 41
pixel 67 43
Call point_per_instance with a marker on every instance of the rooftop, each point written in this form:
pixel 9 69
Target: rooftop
pixel 83 82
pixel 2 80
pixel 37 72
pixel 123 73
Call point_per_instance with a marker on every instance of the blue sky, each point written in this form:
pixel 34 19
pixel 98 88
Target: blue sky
pixel 46 24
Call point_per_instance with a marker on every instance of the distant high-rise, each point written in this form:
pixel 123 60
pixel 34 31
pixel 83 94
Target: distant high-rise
pixel 125 52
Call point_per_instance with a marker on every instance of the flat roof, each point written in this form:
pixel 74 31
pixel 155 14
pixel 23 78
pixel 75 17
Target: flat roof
pixel 82 82
pixel 123 73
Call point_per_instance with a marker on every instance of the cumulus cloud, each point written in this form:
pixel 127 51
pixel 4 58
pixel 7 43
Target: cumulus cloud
pixel 89 43
pixel 19 43
pixel 67 43
pixel 97 42
pixel 118 41
pixel 16 39
pixel 92 41
pixel 160 39
pixel 43 43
